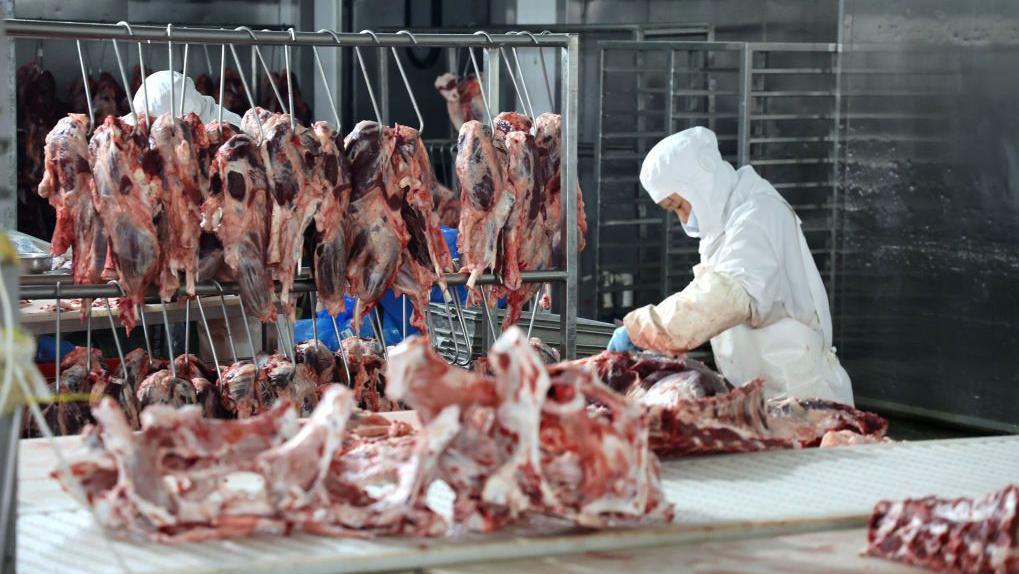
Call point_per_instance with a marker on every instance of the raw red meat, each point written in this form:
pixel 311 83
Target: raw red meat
pixel 108 98
pixel 302 110
pixel 446 203
pixel 205 85
pixel 548 137
pixel 179 146
pixel 70 414
pixel 67 184
pixel 376 235
pixel 367 374
pixel 330 220
pixel 161 388
pixel 319 360
pixel 427 256
pixel 486 198
pixel 122 391
pixel 237 210
pixel 281 380
pixel 962 535
pixel 693 410
pixel 296 189
pixel 127 197
pixel 239 390
pixel 463 98
pixel 507 123
pixel 233 92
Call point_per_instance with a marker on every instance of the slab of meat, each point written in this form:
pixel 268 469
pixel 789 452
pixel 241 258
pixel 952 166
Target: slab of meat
pixel 281 380
pixel 486 198
pixel 67 184
pixel 446 203
pixel 693 410
pixel 108 98
pixel 376 235
pixel 367 374
pixel 179 146
pixel 964 535
pixel 161 388
pixel 236 211
pixel 70 414
pixel 463 98
pixel 302 111
pixel 548 137
pixel 233 92
pixel 330 220
pixel 319 360
pixel 239 390
pixel 507 123
pixel 427 256
pixel 296 188
pixel 120 390
pixel 127 197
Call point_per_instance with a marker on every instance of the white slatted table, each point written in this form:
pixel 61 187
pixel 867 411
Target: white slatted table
pixel 717 498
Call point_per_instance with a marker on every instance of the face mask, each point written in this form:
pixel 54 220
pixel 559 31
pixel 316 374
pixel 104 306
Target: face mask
pixel 690 227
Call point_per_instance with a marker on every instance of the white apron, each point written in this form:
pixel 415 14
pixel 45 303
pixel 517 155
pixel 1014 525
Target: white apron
pixel 795 360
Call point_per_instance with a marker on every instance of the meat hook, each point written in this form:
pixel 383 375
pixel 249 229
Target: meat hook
pixel 123 78
pixel 141 68
pixel 463 327
pixel 377 327
pixel 222 87
pixel 290 82
pixel 187 323
pixel 247 89
pixel 56 350
pixel 488 313
pixel 481 87
pixel 339 347
pixel 145 330
pixel 116 338
pixel 127 334
pixel 169 340
pixel 325 81
pixel 406 83
pixel 364 73
pixel 208 60
pixel 314 315
pixel 513 79
pixel 523 83
pixel 208 333
pixel 183 78
pixel 88 336
pixel 88 92
pixel 169 56
pixel 265 68
pixel 534 311
pixel 226 319
pixel 544 68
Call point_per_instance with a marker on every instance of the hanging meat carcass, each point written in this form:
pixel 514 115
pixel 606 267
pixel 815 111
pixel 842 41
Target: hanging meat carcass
pixel 486 199
pixel 239 390
pixel 162 388
pixel 236 211
pixel 330 220
pixel 463 98
pixel 376 235
pixel 302 111
pixel 68 185
pixel 367 369
pixel 127 196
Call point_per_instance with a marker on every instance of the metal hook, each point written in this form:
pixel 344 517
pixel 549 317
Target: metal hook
pixel 544 68
pixel 268 74
pixel 364 73
pixel 406 82
pixel 141 72
pixel 88 92
pixel 187 323
pixel 377 327
pixel 325 82
pixel 116 339
pixel 169 52
pixel 222 87
pixel 534 311
pixel 314 315
pixel 339 347
pixel 290 82
pixel 481 88
pixel 226 319
pixel 208 60
pixel 247 91
pixel 513 78
pixel 463 327
pixel 488 312
pixel 244 316
pixel 169 340
pixel 183 79
pixel 523 83
pixel 88 336
pixel 123 78
pixel 145 330
pixel 208 334
pixel 56 351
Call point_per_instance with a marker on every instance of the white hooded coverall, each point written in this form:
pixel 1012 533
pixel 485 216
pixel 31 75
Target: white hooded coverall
pixel 159 84
pixel 756 294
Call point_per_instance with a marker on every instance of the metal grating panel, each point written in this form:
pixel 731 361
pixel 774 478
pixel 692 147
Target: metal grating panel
pixel 808 489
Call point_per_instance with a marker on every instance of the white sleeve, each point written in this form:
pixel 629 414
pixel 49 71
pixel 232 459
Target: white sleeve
pixel 749 257
pixel 710 304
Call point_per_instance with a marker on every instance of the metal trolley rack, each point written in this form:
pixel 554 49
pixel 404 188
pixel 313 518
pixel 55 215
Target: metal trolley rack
pixel 566 276
pixel 773 105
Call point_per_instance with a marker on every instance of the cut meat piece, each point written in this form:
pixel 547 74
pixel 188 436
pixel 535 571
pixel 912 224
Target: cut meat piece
pixel 296 189
pixel 330 220
pixel 834 439
pixel 367 373
pixel 463 98
pixel 179 145
pixel 237 210
pixel 161 388
pixel 427 256
pixel 548 137
pixel 319 359
pixel 120 390
pixel 302 111
pixel 596 459
pixel 693 410
pixel 376 235
pixel 486 198
pixel 70 414
pixel 67 184
pixel 446 203
pixel 962 535
pixel 507 123
pixel 239 390
pixel 128 191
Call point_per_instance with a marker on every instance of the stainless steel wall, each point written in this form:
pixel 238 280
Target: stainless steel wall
pixel 928 300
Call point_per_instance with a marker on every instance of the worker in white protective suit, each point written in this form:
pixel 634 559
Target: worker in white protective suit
pixel 159 85
pixel 756 294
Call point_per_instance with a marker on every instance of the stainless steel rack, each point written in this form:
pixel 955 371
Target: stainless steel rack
pixel 773 105
pixel 567 274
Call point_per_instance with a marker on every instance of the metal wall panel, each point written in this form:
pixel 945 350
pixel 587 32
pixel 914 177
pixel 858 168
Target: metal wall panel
pixel 928 300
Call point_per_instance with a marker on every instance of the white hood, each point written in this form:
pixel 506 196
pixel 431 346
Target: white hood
pixel 159 86
pixel 688 163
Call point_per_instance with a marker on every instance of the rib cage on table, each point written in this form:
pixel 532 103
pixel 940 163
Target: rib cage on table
pixel 567 275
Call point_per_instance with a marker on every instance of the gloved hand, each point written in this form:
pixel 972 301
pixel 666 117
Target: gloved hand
pixel 620 341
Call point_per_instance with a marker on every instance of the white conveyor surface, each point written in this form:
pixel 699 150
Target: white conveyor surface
pixel 732 496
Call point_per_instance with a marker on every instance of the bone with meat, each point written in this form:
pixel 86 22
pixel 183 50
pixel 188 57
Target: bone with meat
pixel 463 98
pixel 486 199
pixel 367 374
pixel 128 194
pixel 376 234
pixel 162 388
pixel 330 220
pixel 239 390
pixel 68 185
pixel 548 137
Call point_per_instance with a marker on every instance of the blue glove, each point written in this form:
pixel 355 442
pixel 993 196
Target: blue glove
pixel 620 341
